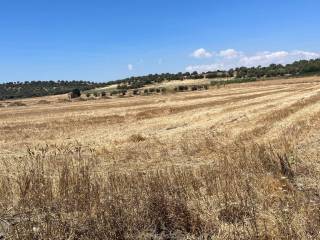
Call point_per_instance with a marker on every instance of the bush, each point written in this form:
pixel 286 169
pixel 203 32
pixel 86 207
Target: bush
pixel 75 93
pixel 123 92
pixel 194 88
pixel 183 88
pixel 136 92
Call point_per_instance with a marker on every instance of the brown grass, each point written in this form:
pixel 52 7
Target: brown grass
pixel 164 168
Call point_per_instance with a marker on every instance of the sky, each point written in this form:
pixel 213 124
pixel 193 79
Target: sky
pixel 102 40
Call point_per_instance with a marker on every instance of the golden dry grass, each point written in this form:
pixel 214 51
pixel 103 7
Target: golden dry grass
pixel 239 162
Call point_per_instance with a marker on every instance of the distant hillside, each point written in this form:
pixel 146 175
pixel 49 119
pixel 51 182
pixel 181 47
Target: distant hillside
pixel 13 90
pixel 298 68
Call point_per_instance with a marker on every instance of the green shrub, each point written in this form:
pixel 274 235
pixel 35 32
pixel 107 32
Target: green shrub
pixel 75 93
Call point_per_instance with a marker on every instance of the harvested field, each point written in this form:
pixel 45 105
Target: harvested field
pixel 236 162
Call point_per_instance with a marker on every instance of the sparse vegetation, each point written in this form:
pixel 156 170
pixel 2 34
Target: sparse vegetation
pixel 137 138
pixel 236 80
pixel 13 90
pixel 298 68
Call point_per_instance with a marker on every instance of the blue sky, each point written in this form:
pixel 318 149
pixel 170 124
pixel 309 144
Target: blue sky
pixel 104 40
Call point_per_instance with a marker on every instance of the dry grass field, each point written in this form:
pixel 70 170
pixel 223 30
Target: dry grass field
pixel 236 162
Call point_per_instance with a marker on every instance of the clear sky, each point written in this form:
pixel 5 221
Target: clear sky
pixel 104 40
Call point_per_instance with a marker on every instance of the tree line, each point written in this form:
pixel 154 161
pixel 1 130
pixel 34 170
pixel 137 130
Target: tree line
pixel 297 68
pixel 13 90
